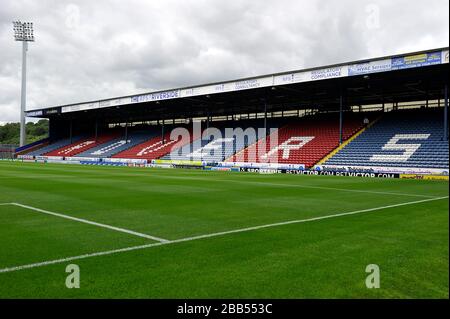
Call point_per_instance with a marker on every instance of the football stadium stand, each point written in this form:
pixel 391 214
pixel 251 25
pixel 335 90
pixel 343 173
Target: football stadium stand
pixel 82 145
pixel 400 139
pixel 54 146
pixel 385 114
pixel 155 147
pixel 303 141
pixel 407 138
pixel 118 145
pixel 219 142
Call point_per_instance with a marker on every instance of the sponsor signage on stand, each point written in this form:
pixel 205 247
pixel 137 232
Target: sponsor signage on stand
pixel 337 71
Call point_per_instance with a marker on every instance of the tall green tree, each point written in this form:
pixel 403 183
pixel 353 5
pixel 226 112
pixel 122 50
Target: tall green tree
pixel 10 133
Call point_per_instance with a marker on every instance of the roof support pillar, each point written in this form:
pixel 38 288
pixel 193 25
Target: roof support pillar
pixel 265 117
pixel 340 118
pixel 445 137
pixel 162 132
pixel 70 131
pixel 126 131
pixel 96 129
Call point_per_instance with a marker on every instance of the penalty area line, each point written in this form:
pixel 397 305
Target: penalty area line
pixel 85 221
pixel 240 230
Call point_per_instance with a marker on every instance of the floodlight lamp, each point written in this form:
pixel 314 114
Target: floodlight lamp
pixel 23 31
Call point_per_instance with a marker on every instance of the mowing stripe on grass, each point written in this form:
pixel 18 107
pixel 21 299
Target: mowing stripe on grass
pixel 241 230
pixel 299 186
pixel 208 178
pixel 333 189
pixel 81 220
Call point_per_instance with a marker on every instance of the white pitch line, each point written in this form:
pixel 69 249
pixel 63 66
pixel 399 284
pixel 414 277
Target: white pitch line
pixel 81 220
pixel 241 230
pixel 298 221
pixel 4 204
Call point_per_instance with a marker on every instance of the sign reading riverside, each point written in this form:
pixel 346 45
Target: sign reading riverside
pixel 374 66
pixel 158 96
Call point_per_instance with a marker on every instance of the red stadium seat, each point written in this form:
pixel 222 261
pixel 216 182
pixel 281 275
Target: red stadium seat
pixel 303 142
pixel 82 145
pixel 154 148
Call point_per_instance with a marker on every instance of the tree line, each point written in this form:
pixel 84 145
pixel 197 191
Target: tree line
pixel 10 132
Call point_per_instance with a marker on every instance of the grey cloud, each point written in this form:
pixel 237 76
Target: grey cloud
pixel 87 50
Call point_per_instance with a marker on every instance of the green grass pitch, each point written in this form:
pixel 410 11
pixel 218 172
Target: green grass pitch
pixel 400 225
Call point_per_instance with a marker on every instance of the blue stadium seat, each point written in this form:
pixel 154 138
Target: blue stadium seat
pixel 53 146
pixel 212 149
pixel 400 139
pixel 118 145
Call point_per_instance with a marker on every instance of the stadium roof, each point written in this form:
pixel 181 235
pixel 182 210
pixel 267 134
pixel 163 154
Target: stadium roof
pixel 399 78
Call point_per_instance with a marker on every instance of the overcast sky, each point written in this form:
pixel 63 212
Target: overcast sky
pixel 87 50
